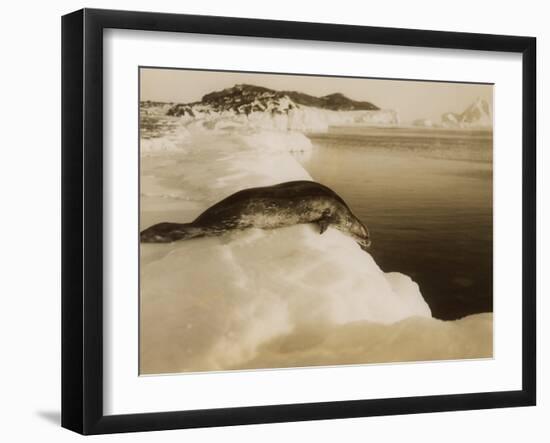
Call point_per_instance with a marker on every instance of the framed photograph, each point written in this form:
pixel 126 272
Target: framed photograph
pixel 270 221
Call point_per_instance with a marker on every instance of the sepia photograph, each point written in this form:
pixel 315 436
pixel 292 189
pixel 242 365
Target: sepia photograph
pixel 295 221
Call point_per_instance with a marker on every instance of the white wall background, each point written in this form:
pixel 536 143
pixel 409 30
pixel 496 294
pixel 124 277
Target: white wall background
pixel 30 221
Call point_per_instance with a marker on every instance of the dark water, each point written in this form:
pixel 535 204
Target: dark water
pixel 426 197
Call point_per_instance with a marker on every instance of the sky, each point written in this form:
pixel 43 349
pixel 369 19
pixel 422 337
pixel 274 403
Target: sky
pixel 411 99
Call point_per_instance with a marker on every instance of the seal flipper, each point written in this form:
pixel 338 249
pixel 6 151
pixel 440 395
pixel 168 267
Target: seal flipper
pixel 170 232
pixel 324 221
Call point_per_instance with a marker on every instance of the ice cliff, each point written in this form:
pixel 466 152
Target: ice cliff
pixel 258 107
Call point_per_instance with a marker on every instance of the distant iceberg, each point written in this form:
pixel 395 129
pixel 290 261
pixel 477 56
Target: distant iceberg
pixel 423 123
pixel 477 115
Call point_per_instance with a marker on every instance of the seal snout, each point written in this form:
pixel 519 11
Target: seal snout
pixel 360 233
pixel 365 244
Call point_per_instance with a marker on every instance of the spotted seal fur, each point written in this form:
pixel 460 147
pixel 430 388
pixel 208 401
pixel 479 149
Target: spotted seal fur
pixel 267 207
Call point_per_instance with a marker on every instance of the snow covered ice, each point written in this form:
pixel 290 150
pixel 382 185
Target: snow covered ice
pixel 266 299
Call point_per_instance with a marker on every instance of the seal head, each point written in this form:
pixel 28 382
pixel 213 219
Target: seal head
pixel 353 227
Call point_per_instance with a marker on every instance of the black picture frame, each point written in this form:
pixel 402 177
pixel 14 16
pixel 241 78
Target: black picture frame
pixel 82 219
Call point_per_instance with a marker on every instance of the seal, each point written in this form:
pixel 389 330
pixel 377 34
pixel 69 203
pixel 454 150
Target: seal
pixel 268 207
